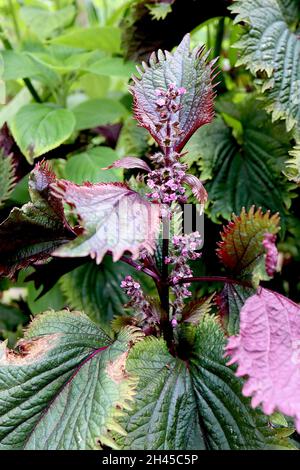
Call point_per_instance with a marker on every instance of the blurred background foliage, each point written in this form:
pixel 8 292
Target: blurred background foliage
pixel 65 66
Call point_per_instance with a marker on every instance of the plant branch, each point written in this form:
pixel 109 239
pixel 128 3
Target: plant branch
pixel 224 279
pixel 140 268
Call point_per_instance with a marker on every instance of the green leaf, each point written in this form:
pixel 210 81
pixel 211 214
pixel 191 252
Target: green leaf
pixel 53 299
pixel 96 290
pixel 96 112
pixel 270 44
pixel 19 65
pixel 191 405
pixel 38 128
pixel 184 68
pixel 44 22
pixel 112 67
pixel 244 162
pixel 7 177
pixel 133 140
pixel 88 166
pixel 292 167
pixel 106 38
pixel 68 380
pixel 11 317
pixel 230 302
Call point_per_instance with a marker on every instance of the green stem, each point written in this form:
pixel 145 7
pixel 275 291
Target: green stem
pixel 32 90
pixel 7 45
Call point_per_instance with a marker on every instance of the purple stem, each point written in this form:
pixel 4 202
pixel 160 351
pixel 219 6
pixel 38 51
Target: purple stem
pixel 225 279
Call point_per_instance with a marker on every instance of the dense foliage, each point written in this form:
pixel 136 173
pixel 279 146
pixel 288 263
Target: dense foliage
pixel 119 328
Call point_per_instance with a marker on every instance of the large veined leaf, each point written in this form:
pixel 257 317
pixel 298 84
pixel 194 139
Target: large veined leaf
pixel 96 289
pixel 186 69
pixel 32 232
pixel 44 22
pixel 88 166
pixel 38 128
pixel 190 405
pixel 267 351
pixel 114 218
pixel 242 154
pixel 7 177
pixel 271 44
pixel 61 388
pixel 241 250
pixel 106 38
pixel 96 112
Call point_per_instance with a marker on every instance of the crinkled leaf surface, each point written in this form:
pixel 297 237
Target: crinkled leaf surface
pixel 185 69
pixel 114 218
pixel 242 154
pixel 230 302
pixel 267 351
pixel 241 249
pixel 7 177
pixel 61 388
pixel 194 405
pixel 38 128
pixel 31 233
pixel 271 44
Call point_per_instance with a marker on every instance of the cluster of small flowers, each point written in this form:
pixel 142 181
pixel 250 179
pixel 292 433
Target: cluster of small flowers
pixel 134 291
pixel 166 182
pixel 168 106
pixel 185 248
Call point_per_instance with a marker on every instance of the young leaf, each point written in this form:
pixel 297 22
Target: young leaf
pixel 271 44
pixel 241 249
pixel 114 218
pixel 267 351
pixel 38 128
pixel 64 371
pixel 130 162
pixel 194 405
pixel 186 69
pixel 7 177
pixel 31 233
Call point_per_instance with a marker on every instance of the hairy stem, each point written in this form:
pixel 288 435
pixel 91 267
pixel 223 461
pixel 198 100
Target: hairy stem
pixel 140 268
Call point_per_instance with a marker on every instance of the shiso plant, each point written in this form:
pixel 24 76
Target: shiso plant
pixel 173 371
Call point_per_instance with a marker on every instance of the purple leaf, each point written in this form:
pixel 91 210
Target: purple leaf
pixel 129 162
pixel 114 218
pixel 186 70
pixel 267 350
pixel 197 188
pixel 31 233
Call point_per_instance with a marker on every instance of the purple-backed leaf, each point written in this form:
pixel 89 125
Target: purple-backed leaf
pixel 186 69
pixel 31 233
pixel 267 350
pixel 128 163
pixel 114 218
pixel 197 188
